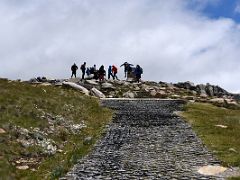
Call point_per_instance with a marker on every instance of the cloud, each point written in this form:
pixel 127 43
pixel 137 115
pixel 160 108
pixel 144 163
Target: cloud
pixel 170 40
pixel 237 8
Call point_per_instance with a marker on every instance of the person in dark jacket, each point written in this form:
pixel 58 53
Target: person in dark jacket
pixel 83 68
pixel 127 68
pixel 74 69
pixel 138 72
pixel 101 73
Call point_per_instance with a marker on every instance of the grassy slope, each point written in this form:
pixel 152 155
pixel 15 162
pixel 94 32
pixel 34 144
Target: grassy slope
pixel 225 143
pixel 22 105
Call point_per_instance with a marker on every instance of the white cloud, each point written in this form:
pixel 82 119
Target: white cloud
pixel 172 42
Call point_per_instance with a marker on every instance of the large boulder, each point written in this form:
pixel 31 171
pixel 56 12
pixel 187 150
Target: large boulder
pixel 161 94
pixel 128 94
pixel 87 86
pixel 52 80
pixel 97 93
pixel 217 100
pixel 107 85
pixel 33 80
pixel 209 90
pixel 170 86
pixel 220 92
pixel 136 88
pixel 42 79
pixel 58 84
pixel 45 84
pixel 125 83
pixel 189 97
pixel 153 92
pixel 119 82
pixel 186 85
pixel 77 87
pixel 2 131
pixel 92 82
pixel 201 90
pixel 163 84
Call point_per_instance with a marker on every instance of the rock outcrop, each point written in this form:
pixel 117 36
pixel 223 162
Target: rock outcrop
pixel 124 89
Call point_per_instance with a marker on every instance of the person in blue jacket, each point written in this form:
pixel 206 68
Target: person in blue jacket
pixel 110 72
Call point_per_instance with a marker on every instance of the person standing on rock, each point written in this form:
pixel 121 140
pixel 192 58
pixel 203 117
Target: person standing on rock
pixel 74 69
pixel 114 72
pixel 94 71
pixel 83 68
pixel 101 73
pixel 110 72
pixel 127 68
pixel 138 72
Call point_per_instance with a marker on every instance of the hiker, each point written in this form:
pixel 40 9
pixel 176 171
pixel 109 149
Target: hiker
pixel 138 72
pixel 101 73
pixel 110 72
pixel 83 68
pixel 74 69
pixel 88 71
pixel 94 71
pixel 127 68
pixel 114 72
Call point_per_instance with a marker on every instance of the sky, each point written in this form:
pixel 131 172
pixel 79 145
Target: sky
pixel 173 40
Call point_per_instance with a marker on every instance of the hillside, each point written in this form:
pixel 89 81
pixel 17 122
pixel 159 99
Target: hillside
pixel 44 130
pixel 46 125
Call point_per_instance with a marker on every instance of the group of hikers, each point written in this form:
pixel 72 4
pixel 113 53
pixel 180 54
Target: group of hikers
pixel 94 73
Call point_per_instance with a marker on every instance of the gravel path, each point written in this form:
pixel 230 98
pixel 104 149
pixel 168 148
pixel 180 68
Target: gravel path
pixel 145 141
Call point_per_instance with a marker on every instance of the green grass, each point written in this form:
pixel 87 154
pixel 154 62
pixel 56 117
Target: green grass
pixel 224 142
pixel 23 105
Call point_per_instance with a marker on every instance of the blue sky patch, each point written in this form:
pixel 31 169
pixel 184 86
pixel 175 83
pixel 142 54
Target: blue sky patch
pixel 221 8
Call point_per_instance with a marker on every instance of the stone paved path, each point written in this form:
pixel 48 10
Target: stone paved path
pixel 145 141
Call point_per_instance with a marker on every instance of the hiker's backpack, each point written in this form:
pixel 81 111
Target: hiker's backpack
pixel 82 67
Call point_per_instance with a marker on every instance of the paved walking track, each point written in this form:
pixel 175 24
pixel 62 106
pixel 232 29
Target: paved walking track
pixel 145 141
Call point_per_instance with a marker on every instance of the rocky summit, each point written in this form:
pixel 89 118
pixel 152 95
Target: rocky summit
pixel 187 91
pixel 146 140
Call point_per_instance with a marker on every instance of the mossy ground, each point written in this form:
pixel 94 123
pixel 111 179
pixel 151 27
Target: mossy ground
pixel 224 142
pixel 21 105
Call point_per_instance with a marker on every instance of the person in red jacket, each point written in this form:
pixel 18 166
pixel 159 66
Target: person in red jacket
pixel 114 72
